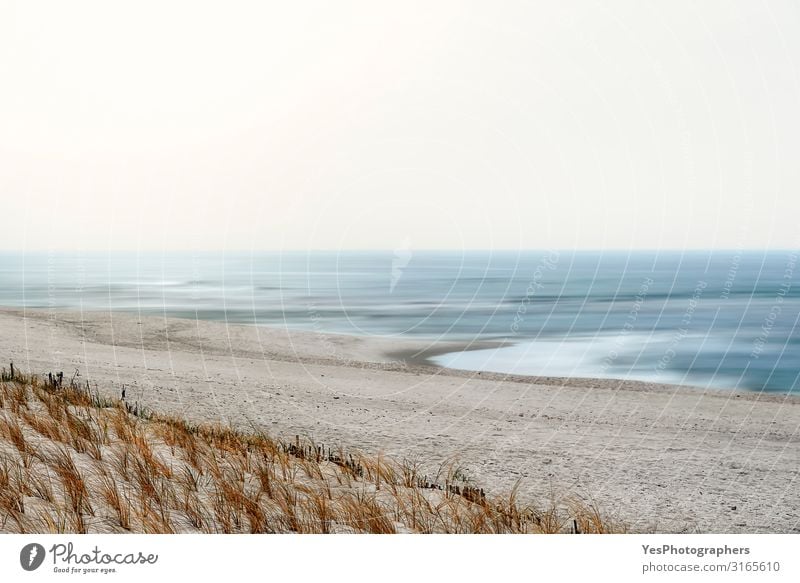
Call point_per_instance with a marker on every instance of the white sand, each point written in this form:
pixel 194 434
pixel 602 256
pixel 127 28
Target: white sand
pixel 658 457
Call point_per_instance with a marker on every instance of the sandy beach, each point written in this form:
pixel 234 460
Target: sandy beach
pixel 657 457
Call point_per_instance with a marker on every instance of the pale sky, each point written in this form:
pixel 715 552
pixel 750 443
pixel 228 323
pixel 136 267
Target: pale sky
pixel 357 125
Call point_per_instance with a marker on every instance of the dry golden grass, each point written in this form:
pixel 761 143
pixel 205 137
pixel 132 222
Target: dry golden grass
pixel 73 461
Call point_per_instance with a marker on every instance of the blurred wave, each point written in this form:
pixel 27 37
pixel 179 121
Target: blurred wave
pixel 721 318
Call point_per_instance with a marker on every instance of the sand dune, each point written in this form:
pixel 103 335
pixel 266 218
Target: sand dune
pixel 657 457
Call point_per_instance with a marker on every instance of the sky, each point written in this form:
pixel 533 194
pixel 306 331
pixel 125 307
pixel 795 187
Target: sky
pixel 159 125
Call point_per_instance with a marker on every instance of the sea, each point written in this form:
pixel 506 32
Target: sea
pixel 709 319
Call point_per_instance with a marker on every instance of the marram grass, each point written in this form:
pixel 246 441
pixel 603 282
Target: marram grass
pixel 73 461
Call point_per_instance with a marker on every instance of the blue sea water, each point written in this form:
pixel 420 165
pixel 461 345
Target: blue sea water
pixel 711 319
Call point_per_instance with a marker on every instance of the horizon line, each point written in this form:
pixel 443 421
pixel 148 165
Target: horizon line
pixel 392 250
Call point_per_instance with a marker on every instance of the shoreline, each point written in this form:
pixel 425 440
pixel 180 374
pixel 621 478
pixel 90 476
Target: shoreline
pixel 661 458
pixel 422 360
pixel 418 353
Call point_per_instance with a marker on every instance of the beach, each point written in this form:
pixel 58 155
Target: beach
pixel 659 458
